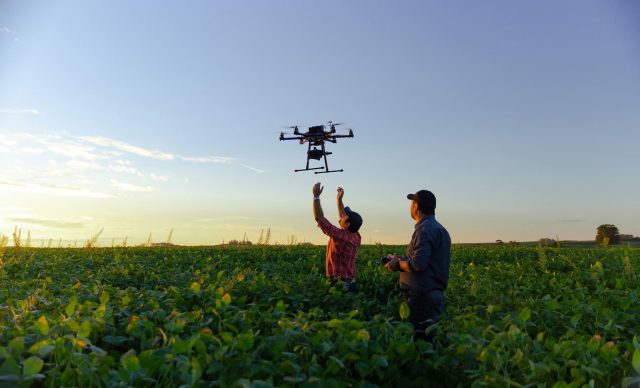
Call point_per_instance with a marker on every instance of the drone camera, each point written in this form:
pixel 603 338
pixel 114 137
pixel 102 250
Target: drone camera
pixel 315 154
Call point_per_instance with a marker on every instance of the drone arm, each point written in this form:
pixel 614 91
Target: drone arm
pixel 291 138
pixel 342 136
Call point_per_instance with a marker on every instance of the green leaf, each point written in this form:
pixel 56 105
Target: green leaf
pixel 17 345
pixel 636 360
pixel 180 346
pixel 115 340
pixel 379 360
pixel 196 370
pixel 363 335
pixel 130 362
pixel 42 326
pixel 575 319
pixel 195 287
pixel 71 307
pixel 85 329
pixel 104 298
pixel 333 323
pixel 35 348
pixel 244 341
pixel 404 310
pixel 524 314
pixel 32 366
pixel 9 367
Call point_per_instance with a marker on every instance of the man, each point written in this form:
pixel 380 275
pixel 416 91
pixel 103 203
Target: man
pixel 424 271
pixel 343 242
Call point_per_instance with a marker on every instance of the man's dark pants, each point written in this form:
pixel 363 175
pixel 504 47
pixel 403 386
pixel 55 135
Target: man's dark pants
pixel 425 308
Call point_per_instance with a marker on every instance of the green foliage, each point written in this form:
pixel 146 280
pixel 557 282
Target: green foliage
pixel 266 316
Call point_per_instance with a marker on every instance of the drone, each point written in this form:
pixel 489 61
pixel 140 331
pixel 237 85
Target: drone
pixel 316 136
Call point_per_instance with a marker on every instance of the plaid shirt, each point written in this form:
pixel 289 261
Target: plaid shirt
pixel 341 251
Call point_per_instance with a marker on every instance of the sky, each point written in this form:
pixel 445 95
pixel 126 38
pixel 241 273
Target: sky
pixel 139 118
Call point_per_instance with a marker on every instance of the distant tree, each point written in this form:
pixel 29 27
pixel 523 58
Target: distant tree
pixel 545 242
pixel 608 231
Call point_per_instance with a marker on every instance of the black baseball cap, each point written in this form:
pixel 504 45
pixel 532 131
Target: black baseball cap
pixel 425 199
pixel 355 220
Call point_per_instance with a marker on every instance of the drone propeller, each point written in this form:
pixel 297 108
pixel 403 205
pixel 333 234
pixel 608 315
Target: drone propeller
pixel 332 123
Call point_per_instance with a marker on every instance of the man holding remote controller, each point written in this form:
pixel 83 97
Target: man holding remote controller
pixel 424 271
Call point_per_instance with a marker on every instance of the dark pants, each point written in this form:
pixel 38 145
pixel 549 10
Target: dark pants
pixel 425 308
pixel 350 284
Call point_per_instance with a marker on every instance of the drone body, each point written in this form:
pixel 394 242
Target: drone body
pixel 316 136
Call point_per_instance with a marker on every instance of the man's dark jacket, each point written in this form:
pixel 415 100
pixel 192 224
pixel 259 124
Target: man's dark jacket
pixel 429 256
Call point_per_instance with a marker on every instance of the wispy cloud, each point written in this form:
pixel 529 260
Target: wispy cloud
pixel 83 166
pixel 23 111
pixel 131 187
pixel 254 169
pixel 125 147
pixel 8 32
pixel 31 150
pixel 74 151
pixel 119 168
pixel 64 223
pixel 158 177
pixel 60 190
pixel 209 159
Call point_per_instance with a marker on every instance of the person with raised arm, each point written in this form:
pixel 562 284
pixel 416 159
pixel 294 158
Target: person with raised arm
pixel 342 248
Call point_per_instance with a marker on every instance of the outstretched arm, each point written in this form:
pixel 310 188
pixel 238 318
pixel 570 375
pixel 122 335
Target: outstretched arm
pixel 317 209
pixel 339 200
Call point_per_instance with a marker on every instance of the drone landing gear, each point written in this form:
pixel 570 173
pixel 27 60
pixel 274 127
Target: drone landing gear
pixel 326 172
pixel 317 154
pixel 307 169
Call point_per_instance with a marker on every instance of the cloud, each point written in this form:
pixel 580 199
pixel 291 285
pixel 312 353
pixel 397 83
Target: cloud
pixel 75 168
pixel 123 169
pixel 5 30
pixel 254 169
pixel 125 147
pixel 209 159
pixel 68 223
pixel 131 187
pixel 60 190
pixel 6 142
pixel 73 150
pixel 158 177
pixel 33 112
pixel 31 150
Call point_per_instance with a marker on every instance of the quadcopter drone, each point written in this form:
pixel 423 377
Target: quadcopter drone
pixel 316 136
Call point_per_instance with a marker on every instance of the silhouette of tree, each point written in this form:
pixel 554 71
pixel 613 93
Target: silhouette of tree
pixel 608 231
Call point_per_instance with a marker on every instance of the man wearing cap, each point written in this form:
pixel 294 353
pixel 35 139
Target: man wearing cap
pixel 343 242
pixel 424 271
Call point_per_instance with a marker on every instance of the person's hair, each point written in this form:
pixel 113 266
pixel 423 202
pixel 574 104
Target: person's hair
pixel 429 211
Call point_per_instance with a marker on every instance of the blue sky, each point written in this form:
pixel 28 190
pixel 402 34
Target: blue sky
pixel 142 117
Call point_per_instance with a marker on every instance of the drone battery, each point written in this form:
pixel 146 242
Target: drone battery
pixel 317 130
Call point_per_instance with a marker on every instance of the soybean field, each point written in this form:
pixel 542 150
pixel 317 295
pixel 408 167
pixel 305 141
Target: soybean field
pixel 261 316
